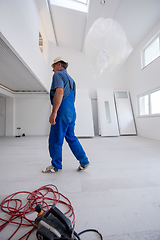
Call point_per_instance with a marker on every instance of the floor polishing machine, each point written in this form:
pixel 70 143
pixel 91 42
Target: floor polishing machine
pixel 54 225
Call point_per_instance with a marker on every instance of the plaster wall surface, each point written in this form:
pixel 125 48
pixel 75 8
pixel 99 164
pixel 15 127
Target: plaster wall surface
pixel 32 113
pixel 143 80
pixel 19 23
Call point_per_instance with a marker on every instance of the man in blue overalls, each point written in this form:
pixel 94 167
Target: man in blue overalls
pixel 62 119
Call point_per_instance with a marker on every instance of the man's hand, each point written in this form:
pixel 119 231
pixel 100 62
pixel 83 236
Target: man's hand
pixel 52 118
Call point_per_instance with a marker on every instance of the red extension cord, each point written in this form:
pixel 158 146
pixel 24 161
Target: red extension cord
pixel 47 196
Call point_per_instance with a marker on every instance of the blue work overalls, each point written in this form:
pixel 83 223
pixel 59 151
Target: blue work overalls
pixel 64 128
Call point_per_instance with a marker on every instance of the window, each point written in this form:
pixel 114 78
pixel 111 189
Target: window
pixel 81 1
pixel 121 94
pixel 149 103
pixel 151 51
pixel 108 115
pixel 40 42
pixel 155 102
pixel 79 5
pixel 143 105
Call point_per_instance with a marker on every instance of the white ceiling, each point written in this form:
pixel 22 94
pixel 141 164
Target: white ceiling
pixel 137 17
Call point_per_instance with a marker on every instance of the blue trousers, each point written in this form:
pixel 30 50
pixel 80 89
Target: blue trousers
pixel 64 128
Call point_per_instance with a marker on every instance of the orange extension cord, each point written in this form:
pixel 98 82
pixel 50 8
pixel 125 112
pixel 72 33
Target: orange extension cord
pixel 47 196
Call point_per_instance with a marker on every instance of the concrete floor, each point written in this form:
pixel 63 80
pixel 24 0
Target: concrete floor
pixel 119 194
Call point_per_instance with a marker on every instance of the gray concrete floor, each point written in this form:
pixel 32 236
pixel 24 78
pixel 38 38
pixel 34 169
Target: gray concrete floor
pixel 119 194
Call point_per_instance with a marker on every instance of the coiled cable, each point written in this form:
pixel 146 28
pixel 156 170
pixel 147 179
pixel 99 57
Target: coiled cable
pixel 19 210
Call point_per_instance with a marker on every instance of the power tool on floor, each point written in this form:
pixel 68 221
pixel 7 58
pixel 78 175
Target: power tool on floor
pixel 53 225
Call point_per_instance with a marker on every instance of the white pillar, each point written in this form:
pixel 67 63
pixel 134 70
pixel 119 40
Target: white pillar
pixel 10 116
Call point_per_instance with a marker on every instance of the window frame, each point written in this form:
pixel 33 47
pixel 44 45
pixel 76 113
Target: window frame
pixel 149 104
pixel 41 42
pixel 81 2
pixel 72 4
pixel 151 107
pixel 147 46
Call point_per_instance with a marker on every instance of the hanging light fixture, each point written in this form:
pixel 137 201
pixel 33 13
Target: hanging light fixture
pixel 102 2
pixel 106 46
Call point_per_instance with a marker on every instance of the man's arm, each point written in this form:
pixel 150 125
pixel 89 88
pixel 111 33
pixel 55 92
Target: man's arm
pixel 57 102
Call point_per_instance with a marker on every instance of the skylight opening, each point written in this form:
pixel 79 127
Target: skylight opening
pixel 81 1
pixel 78 5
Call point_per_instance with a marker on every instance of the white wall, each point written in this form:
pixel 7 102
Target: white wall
pixel 29 111
pixel 32 113
pixel 141 81
pixel 19 23
pixel 80 70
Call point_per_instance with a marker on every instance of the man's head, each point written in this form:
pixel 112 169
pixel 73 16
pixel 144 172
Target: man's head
pixel 58 64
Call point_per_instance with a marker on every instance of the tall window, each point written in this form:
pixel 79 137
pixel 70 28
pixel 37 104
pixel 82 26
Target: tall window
pixel 144 105
pixel 155 102
pixel 40 42
pixel 149 103
pixel 78 5
pixel 151 51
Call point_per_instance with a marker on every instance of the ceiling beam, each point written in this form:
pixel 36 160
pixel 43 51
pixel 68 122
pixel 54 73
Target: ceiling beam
pixel 50 13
